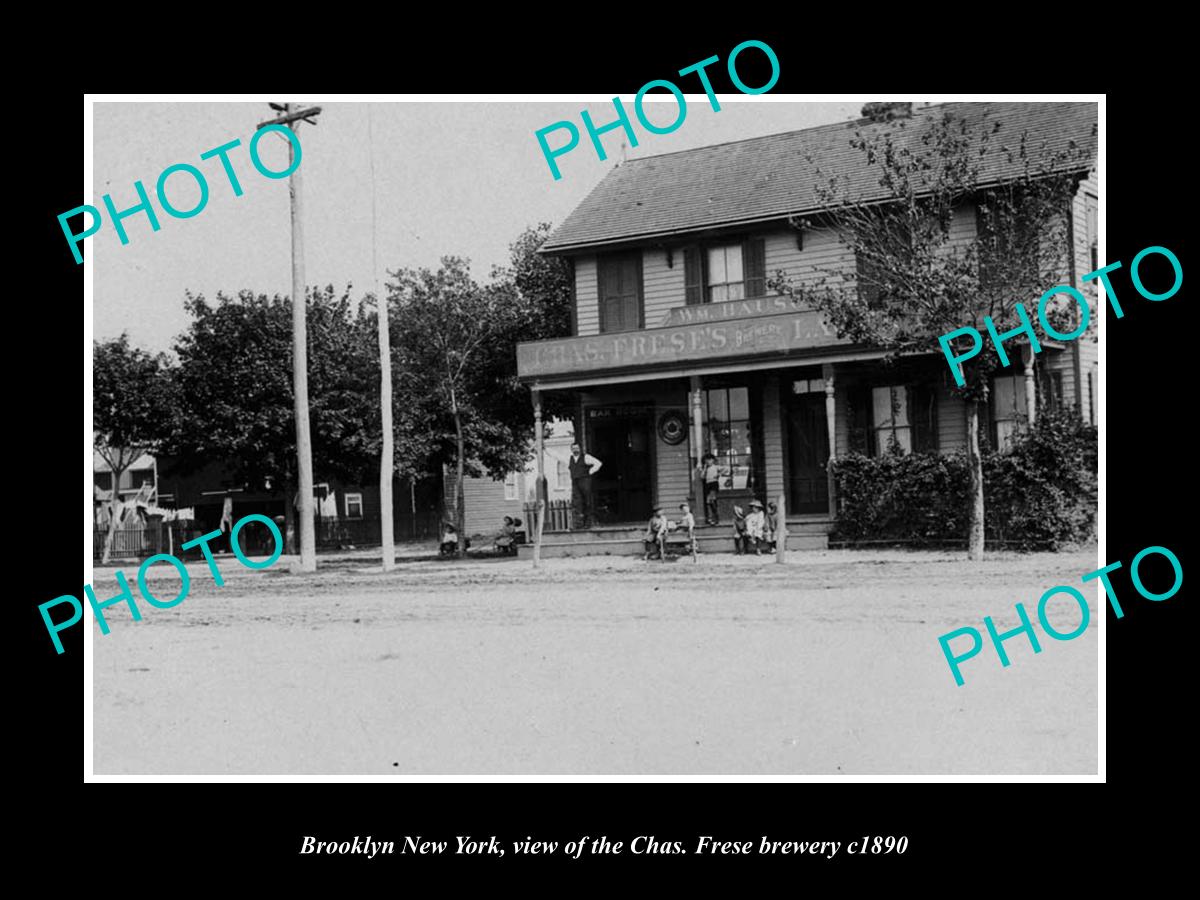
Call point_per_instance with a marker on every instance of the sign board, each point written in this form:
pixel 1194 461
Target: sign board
pixel 698 342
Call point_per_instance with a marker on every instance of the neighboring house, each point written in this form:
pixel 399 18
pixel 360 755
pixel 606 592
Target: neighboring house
pixel 345 513
pixel 488 500
pixel 143 471
pixel 679 348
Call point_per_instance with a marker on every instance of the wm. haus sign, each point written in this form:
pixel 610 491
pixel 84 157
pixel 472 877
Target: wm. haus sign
pixel 767 325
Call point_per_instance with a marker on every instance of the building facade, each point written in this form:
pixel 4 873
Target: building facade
pixel 680 348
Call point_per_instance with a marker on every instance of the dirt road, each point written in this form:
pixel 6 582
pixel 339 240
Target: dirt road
pixel 829 664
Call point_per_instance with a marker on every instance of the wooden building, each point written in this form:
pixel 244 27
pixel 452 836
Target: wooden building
pixel 680 348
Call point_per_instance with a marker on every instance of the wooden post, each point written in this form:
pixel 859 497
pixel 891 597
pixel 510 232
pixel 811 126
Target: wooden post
pixel 1030 386
pixel 831 429
pixel 387 455
pixel 537 538
pixel 292 116
pixel 540 489
pixel 781 532
pixel 696 417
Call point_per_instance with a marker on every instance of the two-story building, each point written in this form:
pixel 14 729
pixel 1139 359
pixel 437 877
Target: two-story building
pixel 680 348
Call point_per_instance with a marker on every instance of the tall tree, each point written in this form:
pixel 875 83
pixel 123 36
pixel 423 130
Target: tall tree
pixel 129 406
pixel 455 340
pixel 916 277
pixel 234 389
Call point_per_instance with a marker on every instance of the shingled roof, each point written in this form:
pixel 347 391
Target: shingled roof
pixel 772 177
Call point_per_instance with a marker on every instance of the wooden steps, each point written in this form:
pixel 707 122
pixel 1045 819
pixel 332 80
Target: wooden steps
pixel 803 534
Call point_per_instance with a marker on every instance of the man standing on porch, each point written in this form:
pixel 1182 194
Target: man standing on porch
pixel 582 467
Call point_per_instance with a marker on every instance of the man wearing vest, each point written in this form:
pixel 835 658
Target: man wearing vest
pixel 582 467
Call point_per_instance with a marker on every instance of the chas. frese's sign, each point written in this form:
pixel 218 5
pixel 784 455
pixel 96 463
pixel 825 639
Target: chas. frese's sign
pixel 730 329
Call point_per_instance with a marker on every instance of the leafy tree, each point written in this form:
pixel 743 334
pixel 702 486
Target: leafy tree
pixel 455 340
pixel 129 394
pixel 233 389
pixel 545 289
pixel 917 278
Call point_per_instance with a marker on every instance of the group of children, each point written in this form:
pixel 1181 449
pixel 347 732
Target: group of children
pixel 755 530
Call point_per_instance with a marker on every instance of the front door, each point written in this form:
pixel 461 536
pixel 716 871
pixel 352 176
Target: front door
pixel 621 489
pixel 808 451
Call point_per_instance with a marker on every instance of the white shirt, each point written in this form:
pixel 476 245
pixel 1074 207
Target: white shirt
pixel 590 461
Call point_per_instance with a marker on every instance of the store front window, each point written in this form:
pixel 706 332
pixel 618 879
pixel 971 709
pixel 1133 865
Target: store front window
pixel 728 436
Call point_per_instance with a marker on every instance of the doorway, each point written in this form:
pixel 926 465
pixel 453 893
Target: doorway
pixel 808 452
pixel 621 438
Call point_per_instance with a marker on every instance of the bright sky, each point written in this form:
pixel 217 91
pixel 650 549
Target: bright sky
pixel 450 178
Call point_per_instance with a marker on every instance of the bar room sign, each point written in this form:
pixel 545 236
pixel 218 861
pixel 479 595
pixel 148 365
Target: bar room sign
pixel 701 341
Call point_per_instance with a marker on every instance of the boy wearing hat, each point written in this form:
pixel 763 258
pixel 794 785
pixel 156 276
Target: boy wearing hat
pixel 656 533
pixel 710 474
pixel 756 525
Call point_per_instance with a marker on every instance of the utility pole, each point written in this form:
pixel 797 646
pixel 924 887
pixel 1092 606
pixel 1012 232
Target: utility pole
pixel 291 116
pixel 387 454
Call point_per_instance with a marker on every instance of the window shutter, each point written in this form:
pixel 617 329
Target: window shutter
pixel 922 412
pixel 861 431
pixel 754 267
pixel 693 276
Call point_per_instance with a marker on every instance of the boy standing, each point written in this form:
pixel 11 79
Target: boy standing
pixel 756 526
pixel 711 474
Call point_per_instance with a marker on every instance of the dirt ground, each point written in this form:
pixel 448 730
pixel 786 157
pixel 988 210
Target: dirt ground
pixel 829 664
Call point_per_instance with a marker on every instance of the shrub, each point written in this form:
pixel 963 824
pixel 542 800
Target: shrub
pixel 1040 493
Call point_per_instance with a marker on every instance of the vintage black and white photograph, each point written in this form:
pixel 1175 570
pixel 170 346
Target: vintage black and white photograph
pixel 755 446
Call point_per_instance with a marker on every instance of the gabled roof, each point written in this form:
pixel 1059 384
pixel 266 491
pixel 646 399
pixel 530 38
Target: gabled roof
pixel 771 177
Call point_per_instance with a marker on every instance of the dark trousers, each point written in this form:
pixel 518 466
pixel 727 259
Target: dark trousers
pixel 581 500
pixel 710 503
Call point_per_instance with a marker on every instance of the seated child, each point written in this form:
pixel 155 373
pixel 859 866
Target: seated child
pixel 656 533
pixel 507 540
pixel 449 540
pixel 740 541
pixel 772 529
pixel 756 526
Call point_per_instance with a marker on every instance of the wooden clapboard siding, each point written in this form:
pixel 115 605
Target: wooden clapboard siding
pixel 587 296
pixel 1088 349
pixel 962 226
pixel 772 425
pixel 672 465
pixel 841 418
pixel 486 506
pixel 823 256
pixel 662 285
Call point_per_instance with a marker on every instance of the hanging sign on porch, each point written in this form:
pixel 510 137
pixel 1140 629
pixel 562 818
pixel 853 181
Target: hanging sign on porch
pixel 729 309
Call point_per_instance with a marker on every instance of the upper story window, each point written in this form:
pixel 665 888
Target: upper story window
pixel 725 270
pixel 725 280
pixel 620 277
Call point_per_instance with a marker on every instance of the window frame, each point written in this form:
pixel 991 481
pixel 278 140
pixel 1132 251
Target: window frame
pixel 1020 411
pixel 350 498
pixel 697 287
pixel 615 260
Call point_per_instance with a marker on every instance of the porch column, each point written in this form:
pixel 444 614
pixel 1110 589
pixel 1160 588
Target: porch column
pixel 538 430
pixel 1030 386
pixel 831 428
pixel 696 417
pixel 539 501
